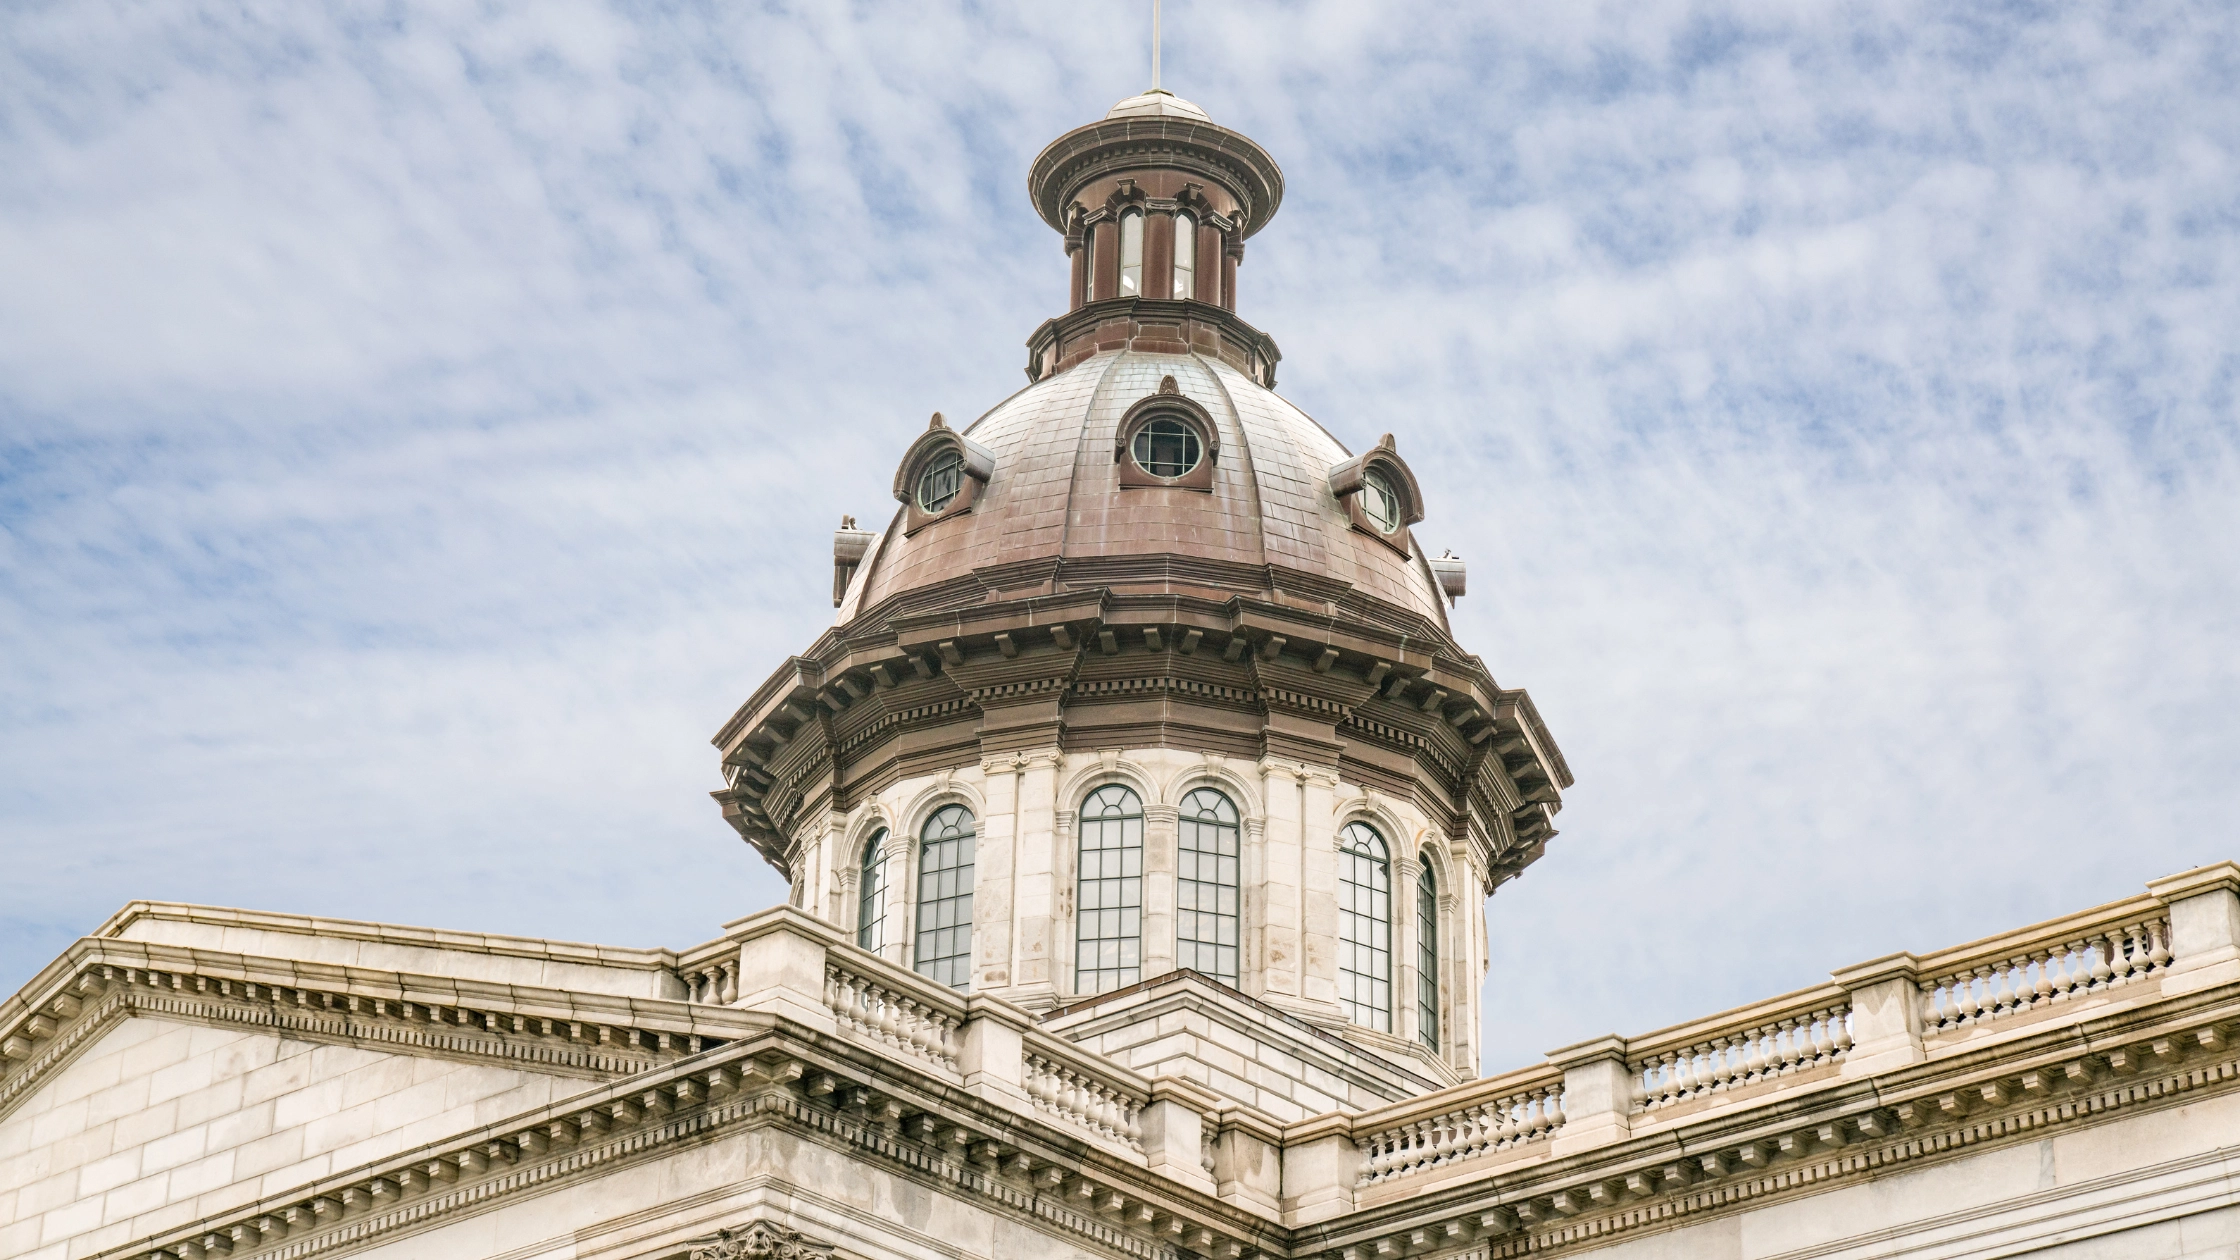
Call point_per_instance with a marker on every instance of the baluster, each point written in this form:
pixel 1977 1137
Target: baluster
pixel 1964 1004
pixel 1727 1073
pixel 1789 1048
pixel 2068 970
pixel 2041 992
pixel 2159 956
pixel 2102 973
pixel 731 982
pixel 1554 1094
pixel 1839 1031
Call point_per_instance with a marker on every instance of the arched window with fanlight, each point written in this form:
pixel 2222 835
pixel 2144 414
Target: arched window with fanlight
pixel 944 952
pixel 1185 257
pixel 1365 927
pixel 1108 892
pixel 1131 253
pixel 871 893
pixel 1427 958
pixel 1206 882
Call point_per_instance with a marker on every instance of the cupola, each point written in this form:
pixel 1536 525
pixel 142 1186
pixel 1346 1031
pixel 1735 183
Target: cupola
pixel 1155 201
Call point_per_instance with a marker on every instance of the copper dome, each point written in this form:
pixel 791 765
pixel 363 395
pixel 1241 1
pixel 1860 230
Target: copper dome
pixel 1054 513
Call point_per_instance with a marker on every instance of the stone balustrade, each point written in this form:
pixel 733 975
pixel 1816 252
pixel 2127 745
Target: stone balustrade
pixel 1486 1117
pixel 911 1015
pixel 1785 1037
pixel 1069 1091
pixel 2071 960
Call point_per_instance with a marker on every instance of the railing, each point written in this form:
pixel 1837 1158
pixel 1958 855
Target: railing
pixel 1779 1038
pixel 1491 1116
pixel 712 983
pixel 1067 1091
pixel 2060 962
pixel 914 1022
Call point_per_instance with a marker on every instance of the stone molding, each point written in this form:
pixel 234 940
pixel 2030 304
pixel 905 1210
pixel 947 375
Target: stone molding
pixel 759 1240
pixel 99 982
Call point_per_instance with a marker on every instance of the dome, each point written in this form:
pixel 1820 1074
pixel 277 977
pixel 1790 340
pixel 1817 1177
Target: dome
pixel 1157 103
pixel 1056 513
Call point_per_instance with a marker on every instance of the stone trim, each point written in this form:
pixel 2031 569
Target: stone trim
pixel 546 1031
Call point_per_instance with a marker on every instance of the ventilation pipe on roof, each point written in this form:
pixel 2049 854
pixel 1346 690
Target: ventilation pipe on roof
pixel 1453 580
pixel 849 545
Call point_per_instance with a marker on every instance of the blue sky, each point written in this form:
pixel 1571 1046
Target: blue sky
pixel 1835 404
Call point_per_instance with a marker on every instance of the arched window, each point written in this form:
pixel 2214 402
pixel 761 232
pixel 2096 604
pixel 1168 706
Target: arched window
pixel 1365 927
pixel 1205 903
pixel 871 893
pixel 944 951
pixel 1427 958
pixel 1131 253
pixel 1379 501
pixel 1185 257
pixel 1108 900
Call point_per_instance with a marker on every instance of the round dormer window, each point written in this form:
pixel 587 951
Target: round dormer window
pixel 1379 501
pixel 941 480
pixel 1167 448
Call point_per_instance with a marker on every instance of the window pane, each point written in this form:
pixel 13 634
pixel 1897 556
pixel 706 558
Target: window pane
pixel 941 480
pixel 1206 932
pixel 1364 927
pixel 1427 958
pixel 945 897
pixel 1131 254
pixel 1380 502
pixel 871 900
pixel 1185 256
pixel 1166 448
pixel 1108 898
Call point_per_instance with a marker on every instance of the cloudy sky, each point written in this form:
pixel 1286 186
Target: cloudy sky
pixel 1835 404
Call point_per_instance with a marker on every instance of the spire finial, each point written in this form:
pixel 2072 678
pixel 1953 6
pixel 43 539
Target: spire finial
pixel 1154 45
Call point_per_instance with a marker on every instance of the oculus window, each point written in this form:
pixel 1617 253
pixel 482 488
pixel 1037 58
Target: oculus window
pixel 1379 501
pixel 1167 448
pixel 939 483
pixel 944 953
pixel 1365 927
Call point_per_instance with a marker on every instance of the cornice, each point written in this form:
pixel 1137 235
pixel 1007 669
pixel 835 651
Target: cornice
pixel 99 982
pixel 840 1094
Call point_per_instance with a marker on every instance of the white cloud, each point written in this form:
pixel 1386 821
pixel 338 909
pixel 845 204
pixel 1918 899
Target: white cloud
pixel 1835 405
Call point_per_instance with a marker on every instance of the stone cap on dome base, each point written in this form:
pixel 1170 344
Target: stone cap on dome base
pixel 1153 326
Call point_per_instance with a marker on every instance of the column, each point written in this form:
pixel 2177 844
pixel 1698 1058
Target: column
pixel 1104 259
pixel 1034 969
pixel 1407 1019
pixel 994 857
pixel 1272 884
pixel 901 906
pixel 1161 823
pixel 1318 886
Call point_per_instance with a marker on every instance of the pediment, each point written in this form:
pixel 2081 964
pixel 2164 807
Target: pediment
pixel 154 1121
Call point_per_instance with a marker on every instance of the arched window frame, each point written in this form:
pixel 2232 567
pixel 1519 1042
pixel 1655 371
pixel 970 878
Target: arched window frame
pixel 1113 957
pixel 1131 252
pixel 1199 923
pixel 1184 231
pixel 1365 963
pixel 978 464
pixel 1430 1022
pixel 1168 403
pixel 871 892
pixel 952 966
pixel 1349 480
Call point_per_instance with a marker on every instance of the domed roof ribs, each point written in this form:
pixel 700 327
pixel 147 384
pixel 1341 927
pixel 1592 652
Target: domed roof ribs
pixel 1244 449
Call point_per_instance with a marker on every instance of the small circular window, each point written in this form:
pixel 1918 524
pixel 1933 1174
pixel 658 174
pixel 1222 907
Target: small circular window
pixel 1167 448
pixel 939 483
pixel 1379 501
